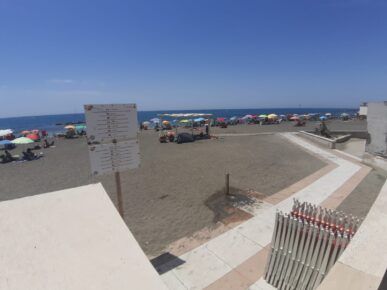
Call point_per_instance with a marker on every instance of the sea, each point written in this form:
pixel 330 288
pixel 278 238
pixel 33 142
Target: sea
pixel 55 123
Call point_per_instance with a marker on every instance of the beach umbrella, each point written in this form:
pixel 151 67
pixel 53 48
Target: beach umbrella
pixel 199 119
pixel 5 132
pixel 233 118
pixel 22 140
pixel 165 122
pixel 80 127
pixel 35 131
pixel 272 116
pixel 323 118
pixel 4 143
pixel 155 120
pixel 247 117
pixel 294 118
pixel 220 119
pixel 146 123
pixel 25 132
pixel 184 121
pixel 34 137
pixel 262 116
pixel 70 127
pixel 328 114
pixel 344 115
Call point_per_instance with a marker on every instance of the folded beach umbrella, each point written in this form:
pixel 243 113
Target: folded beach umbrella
pixel 22 140
pixel 272 116
pixel 5 132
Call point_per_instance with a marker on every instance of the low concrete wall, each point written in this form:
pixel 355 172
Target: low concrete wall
pixel 330 143
pixel 363 263
pixel 354 134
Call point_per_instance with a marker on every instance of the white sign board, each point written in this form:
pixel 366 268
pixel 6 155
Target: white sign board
pixel 114 157
pixel 112 137
pixel 106 123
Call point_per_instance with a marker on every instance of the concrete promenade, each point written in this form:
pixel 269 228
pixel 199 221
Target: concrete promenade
pixel 236 259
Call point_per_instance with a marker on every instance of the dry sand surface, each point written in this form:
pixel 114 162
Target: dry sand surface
pixel 166 198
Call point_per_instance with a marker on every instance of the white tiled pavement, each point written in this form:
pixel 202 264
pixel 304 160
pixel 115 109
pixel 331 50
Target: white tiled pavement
pixel 212 260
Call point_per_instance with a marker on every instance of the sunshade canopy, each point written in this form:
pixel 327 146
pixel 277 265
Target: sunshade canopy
pixel 186 115
pixel 70 127
pixel 80 126
pixel 185 121
pixel 33 137
pixel 5 132
pixel 272 116
pixel 323 118
pixel 220 119
pixel 22 140
pixel 199 119
pixel 5 142
pixel 155 120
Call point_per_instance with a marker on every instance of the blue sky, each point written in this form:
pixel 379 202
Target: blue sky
pixel 191 54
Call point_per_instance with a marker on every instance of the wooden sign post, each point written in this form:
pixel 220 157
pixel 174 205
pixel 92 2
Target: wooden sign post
pixel 112 140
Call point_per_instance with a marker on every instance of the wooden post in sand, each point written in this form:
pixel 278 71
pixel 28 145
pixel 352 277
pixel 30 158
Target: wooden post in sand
pixel 227 187
pixel 119 193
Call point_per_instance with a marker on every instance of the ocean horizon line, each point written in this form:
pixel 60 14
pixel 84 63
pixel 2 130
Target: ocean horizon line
pixel 188 110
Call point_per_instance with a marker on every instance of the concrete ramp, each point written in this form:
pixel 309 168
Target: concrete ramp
pixel 70 239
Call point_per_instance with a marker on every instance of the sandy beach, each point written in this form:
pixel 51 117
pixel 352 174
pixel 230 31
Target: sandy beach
pixel 165 199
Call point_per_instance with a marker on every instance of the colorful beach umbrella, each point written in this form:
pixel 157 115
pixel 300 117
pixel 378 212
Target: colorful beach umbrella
pixel 323 118
pixel 155 120
pixel 262 116
pixel 233 118
pixel 294 118
pixel 165 122
pixel 199 119
pixel 272 116
pixel 184 121
pixel 4 143
pixel 5 132
pixel 80 127
pixel 247 117
pixel 22 140
pixel 220 119
pixel 70 127
pixel 34 137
